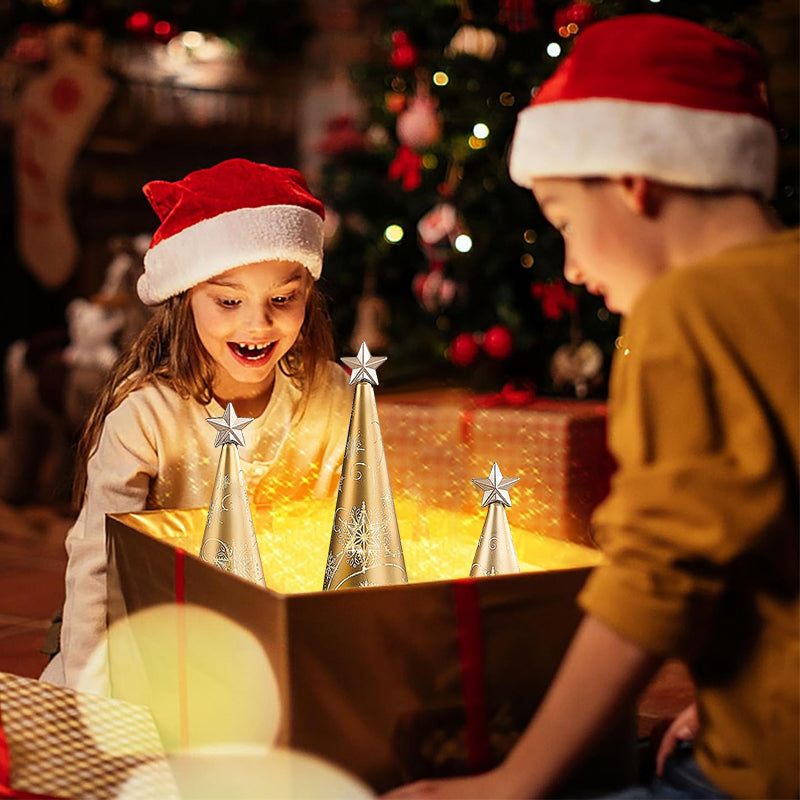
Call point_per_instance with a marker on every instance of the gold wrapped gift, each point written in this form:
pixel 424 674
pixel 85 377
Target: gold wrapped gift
pixel 390 683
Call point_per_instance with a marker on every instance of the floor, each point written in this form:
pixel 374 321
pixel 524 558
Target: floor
pixel 32 562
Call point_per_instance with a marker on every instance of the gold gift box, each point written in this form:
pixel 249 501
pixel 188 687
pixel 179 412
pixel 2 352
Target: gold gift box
pixel 390 683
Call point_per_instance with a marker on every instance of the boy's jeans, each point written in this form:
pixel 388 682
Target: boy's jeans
pixel 682 779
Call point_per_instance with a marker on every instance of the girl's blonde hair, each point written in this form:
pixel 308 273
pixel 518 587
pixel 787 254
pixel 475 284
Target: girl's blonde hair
pixel 168 349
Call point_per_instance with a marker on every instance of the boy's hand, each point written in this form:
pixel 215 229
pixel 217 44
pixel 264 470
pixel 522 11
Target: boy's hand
pixel 488 785
pixel 684 728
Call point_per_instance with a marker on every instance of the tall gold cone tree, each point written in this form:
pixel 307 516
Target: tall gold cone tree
pixel 365 548
pixel 229 539
pixel 495 554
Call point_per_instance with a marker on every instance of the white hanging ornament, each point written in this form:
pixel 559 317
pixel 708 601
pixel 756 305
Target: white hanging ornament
pixel 372 320
pixel 438 229
pixel 481 43
pixel 419 126
pixel 579 365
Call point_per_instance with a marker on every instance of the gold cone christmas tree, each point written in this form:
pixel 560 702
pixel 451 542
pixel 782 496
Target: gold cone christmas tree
pixel 495 554
pixel 365 548
pixel 229 539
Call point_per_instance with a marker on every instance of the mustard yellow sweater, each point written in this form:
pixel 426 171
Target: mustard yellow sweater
pixel 700 530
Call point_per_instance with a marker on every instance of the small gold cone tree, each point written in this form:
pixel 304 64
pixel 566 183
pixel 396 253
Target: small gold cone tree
pixel 229 539
pixel 495 554
pixel 365 548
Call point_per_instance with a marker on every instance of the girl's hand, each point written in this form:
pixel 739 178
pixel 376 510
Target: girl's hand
pixel 684 728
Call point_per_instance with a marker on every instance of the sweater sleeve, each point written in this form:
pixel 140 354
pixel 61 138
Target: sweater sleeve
pixel 119 476
pixel 696 487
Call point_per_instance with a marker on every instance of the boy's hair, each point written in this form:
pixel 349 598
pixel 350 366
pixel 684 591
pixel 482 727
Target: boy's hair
pixel 168 349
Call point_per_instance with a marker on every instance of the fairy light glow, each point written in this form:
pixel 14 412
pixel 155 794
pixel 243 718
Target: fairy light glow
pixel 393 234
pixel 554 49
pixel 441 78
pixel 463 243
pixel 480 130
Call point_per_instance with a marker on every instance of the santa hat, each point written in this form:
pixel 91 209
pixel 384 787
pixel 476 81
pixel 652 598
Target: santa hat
pixel 235 213
pixel 651 95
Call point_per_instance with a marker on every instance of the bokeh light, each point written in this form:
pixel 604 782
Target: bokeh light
pixel 393 234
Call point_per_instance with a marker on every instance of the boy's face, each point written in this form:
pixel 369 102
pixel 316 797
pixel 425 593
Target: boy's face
pixel 247 319
pixel 606 248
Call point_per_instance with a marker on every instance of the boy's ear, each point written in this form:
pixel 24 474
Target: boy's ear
pixel 639 194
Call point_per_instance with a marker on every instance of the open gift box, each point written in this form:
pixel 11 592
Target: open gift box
pixel 390 683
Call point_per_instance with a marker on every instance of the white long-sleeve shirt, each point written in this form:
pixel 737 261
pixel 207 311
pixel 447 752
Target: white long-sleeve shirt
pixel 156 450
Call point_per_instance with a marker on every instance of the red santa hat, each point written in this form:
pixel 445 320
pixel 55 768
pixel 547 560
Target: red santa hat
pixel 235 213
pixel 652 95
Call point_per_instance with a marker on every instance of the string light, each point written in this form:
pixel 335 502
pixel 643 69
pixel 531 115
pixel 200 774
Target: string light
pixel 529 236
pixel 507 99
pixel 480 130
pixel 441 78
pixel 526 260
pixel 554 49
pixel 476 144
pixel 463 243
pixel 393 234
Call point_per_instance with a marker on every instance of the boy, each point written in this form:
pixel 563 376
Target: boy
pixel 651 150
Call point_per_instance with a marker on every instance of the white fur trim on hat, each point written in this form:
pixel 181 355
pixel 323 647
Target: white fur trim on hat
pixel 682 146
pixel 231 239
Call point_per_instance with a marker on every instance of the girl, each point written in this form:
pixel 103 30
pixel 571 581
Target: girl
pixel 239 319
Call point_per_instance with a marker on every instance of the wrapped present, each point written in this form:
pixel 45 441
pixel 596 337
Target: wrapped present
pixel 435 442
pixel 58 743
pixel 389 683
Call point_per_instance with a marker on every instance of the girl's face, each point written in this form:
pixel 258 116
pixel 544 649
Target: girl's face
pixel 247 319
pixel 608 247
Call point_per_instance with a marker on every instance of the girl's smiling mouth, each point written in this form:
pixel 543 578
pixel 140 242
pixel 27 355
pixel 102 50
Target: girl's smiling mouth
pixel 251 354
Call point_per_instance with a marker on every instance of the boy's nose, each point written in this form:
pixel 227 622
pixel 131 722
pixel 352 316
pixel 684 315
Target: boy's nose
pixel 572 272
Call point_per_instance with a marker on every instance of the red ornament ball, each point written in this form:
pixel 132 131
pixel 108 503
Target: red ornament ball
pixel 404 56
pixel 463 350
pixel 498 342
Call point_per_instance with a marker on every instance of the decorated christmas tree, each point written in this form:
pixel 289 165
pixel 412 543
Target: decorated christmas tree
pixel 455 272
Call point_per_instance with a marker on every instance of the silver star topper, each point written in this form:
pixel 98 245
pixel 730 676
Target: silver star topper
pixel 229 427
pixel 364 365
pixel 495 487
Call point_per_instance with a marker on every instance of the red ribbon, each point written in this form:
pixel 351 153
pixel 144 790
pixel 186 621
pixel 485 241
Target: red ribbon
pixel 509 395
pixel 406 165
pixel 183 692
pixel 473 672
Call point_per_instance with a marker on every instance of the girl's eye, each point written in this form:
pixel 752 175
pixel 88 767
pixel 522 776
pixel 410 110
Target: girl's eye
pixel 283 300
pixel 227 302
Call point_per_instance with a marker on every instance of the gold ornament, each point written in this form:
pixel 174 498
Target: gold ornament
pixel 229 539
pixel 495 554
pixel 365 547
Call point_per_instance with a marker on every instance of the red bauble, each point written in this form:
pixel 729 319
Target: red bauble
pixel 404 54
pixel 463 350
pixel 580 12
pixel 498 342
